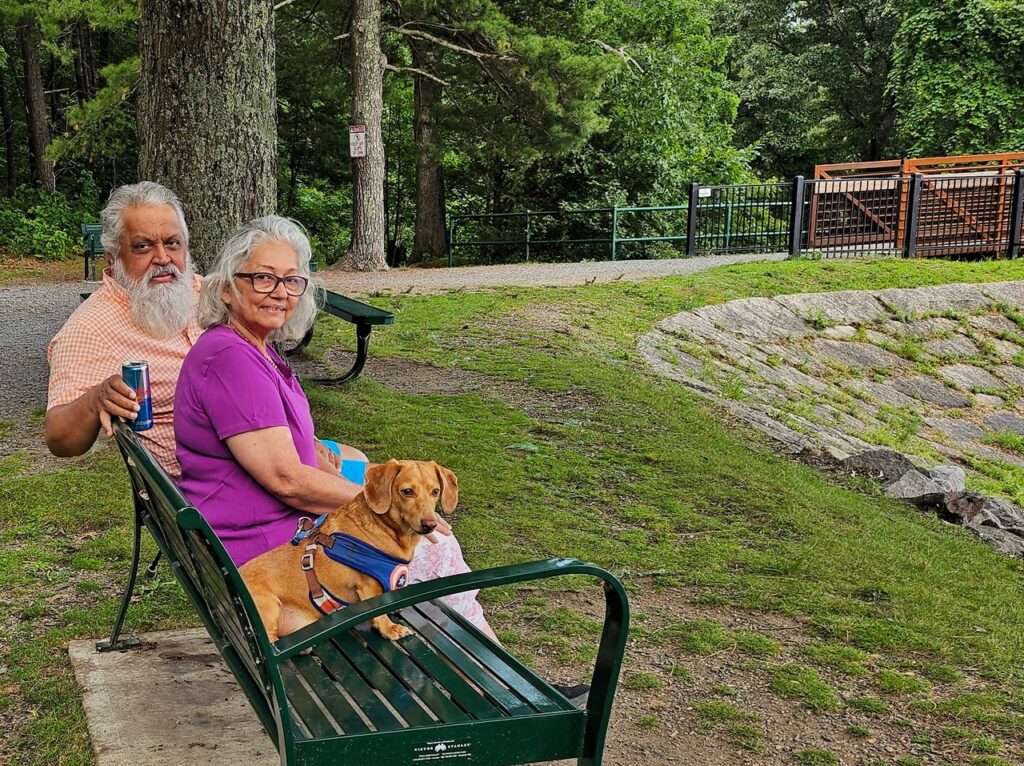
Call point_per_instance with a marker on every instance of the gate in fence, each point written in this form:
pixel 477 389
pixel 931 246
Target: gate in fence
pixel 921 214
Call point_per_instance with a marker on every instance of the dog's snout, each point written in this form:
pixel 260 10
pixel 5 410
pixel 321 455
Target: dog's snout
pixel 426 527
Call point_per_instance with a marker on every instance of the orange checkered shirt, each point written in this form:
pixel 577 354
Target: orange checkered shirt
pixel 97 338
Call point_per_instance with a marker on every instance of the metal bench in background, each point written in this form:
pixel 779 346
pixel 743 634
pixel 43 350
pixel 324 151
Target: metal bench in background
pixel 92 249
pixel 364 316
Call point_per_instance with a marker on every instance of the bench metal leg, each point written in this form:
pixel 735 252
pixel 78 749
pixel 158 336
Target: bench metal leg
pixel 292 350
pixel 132 642
pixel 362 350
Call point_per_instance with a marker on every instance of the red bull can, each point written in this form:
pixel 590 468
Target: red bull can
pixel 136 375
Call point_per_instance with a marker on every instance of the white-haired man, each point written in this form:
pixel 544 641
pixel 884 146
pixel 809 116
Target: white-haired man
pixel 144 310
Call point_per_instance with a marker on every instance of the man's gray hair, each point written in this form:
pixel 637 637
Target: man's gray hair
pixel 213 310
pixel 129 196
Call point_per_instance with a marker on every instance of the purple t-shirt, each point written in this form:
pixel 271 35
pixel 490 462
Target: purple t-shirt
pixel 226 388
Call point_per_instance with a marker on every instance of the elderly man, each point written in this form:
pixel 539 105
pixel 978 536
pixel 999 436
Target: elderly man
pixel 145 310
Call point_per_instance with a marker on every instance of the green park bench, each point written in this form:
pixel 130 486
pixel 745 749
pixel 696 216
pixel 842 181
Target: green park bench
pixel 364 316
pixel 335 692
pixel 92 248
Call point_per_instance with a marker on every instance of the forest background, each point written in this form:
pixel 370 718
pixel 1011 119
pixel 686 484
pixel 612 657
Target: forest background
pixel 507 106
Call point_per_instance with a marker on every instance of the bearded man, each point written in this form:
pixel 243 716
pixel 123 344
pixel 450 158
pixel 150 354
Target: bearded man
pixel 144 311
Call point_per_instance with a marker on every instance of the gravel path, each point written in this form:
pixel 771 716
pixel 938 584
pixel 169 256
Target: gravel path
pixel 427 281
pixel 30 315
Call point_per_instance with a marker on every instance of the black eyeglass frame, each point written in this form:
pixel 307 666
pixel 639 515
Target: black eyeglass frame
pixel 251 276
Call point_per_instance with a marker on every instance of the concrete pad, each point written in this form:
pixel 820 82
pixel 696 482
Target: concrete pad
pixel 173 702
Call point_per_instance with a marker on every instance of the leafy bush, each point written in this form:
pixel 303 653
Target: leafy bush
pixel 325 214
pixel 45 225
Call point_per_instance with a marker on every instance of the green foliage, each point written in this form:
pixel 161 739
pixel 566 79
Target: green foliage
pixel 45 225
pixel 956 76
pixel 104 126
pixel 325 215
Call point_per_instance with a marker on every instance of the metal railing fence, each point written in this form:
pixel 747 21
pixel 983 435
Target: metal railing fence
pixel 966 214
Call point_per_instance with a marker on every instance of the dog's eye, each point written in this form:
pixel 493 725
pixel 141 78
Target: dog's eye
pixel 407 492
pixel 435 492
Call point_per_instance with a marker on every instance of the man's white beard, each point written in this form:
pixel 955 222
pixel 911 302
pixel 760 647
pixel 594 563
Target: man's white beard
pixel 162 310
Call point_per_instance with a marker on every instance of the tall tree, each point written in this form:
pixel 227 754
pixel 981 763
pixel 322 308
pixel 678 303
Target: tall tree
pixel 813 78
pixel 959 76
pixel 430 240
pixel 367 252
pixel 206 111
pixel 502 77
pixel 35 103
pixel 8 128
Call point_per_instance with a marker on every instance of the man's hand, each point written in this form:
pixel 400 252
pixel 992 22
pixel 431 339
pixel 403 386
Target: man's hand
pixel 113 397
pixel 327 459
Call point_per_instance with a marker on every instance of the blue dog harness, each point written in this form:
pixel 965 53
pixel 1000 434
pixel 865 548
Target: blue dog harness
pixel 391 572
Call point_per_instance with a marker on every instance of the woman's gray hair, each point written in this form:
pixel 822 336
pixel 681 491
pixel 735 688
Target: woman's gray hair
pixel 124 198
pixel 213 310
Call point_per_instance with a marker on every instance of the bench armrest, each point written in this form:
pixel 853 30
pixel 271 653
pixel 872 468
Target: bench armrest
pixel 355 614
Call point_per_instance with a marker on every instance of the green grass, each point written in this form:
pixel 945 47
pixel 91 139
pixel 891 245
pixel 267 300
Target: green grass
pixel 848 659
pixel 629 471
pixel 1008 440
pixel 892 682
pixel 739 727
pixel 815 757
pixel 707 637
pixel 803 684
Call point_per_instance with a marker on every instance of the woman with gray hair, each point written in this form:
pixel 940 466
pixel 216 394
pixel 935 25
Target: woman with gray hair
pixel 245 441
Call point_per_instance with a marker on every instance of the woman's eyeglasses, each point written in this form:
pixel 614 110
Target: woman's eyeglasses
pixel 264 282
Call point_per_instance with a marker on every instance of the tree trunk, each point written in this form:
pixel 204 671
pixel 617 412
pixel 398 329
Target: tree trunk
pixel 85 70
pixel 8 126
pixel 431 241
pixel 35 105
pixel 368 225
pixel 206 112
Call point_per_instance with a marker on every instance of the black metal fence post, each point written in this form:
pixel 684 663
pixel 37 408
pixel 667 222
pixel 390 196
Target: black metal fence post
pixel 913 208
pixel 691 220
pixel 796 217
pixel 1016 214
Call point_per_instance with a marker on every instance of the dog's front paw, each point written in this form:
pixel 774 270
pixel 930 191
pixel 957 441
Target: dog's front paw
pixel 391 630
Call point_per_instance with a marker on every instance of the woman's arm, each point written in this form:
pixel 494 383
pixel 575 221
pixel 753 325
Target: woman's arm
pixel 269 456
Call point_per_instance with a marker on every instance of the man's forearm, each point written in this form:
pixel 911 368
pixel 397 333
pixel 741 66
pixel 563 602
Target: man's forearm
pixel 71 428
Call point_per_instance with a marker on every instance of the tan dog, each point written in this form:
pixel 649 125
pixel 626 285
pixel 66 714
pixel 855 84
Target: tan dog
pixel 397 506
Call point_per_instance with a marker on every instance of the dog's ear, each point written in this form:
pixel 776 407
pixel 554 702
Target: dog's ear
pixel 377 489
pixel 449 488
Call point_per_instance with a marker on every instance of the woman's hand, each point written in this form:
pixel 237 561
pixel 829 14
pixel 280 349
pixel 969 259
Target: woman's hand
pixel 327 460
pixel 443 527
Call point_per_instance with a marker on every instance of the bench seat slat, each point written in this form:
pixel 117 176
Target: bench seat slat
pixel 312 717
pixel 326 689
pixel 381 678
pixel 465 664
pixel 352 682
pixel 410 673
pixel 463 694
pixel 505 667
